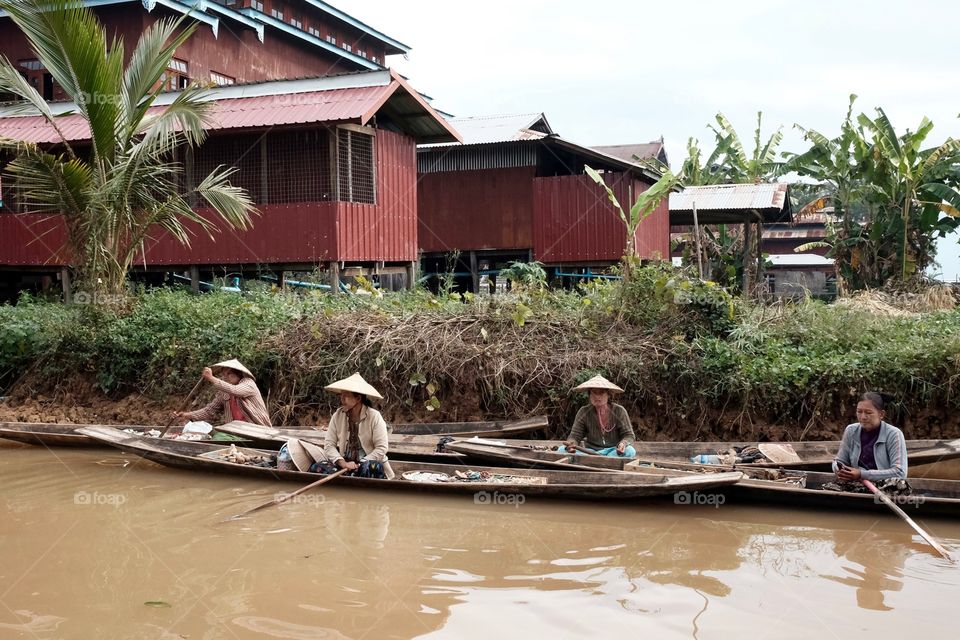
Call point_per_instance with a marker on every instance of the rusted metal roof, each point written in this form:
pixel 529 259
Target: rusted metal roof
pixel 355 98
pixel 732 203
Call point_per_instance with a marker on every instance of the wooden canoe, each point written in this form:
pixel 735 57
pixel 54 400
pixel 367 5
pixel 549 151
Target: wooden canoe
pixel 815 455
pixel 496 429
pixel 557 484
pixel 929 497
pixel 407 447
pixel 49 434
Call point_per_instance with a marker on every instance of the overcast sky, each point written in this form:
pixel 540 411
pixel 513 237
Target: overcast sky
pixel 622 72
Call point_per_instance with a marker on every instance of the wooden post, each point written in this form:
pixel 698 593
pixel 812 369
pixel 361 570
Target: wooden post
pixel 759 250
pixel 282 280
pixel 747 259
pixel 474 273
pixel 65 281
pixel 334 277
pixel 696 236
pixel 411 275
pixel 194 279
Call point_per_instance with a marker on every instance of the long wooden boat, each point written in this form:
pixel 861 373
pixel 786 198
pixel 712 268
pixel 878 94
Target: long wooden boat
pixel 423 448
pixel 65 435
pixel 815 455
pixel 494 429
pixel 787 487
pixel 790 487
pixel 540 483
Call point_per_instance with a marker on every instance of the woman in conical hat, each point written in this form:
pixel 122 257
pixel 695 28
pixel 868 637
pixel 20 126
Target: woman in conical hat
pixel 357 437
pixel 238 397
pixel 604 425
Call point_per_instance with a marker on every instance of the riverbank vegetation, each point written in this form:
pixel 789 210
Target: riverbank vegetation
pixel 693 359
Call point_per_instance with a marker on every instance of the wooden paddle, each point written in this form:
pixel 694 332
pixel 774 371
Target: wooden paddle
pixel 897 510
pixel 290 495
pixel 182 407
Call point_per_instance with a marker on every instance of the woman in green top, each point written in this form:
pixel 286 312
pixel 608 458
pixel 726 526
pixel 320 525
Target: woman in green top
pixel 603 425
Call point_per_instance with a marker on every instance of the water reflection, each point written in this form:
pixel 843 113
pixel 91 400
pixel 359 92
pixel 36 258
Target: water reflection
pixel 880 561
pixel 348 564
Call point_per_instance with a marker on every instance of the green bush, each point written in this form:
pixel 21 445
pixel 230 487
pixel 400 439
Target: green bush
pixel 683 349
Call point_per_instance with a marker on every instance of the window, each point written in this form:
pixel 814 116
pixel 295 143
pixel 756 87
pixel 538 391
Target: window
pixel 177 77
pixel 313 31
pixel 277 12
pixel 347 47
pixel 36 74
pixel 221 79
pixel 256 4
pixel 355 167
pixel 361 53
pixel 296 23
pixel 332 39
pixel 375 59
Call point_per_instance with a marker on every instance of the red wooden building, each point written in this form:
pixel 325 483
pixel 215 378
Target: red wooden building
pixel 515 190
pixel 237 41
pixel 330 162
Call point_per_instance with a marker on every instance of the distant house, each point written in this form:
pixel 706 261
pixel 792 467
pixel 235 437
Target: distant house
pixel 654 150
pixel 794 274
pixel 515 190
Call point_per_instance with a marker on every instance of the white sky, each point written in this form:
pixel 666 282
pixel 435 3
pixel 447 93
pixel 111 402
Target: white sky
pixel 617 72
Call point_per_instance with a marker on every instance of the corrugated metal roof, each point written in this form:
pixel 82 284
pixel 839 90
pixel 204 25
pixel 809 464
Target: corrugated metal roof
pixel 793 234
pixel 763 196
pixel 799 260
pixel 487 129
pixel 353 98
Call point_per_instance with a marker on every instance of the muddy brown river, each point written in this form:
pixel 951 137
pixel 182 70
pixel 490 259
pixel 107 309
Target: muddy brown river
pixel 98 544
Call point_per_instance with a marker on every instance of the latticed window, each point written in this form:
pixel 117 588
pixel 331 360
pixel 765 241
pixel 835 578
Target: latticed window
pixel 275 168
pixel 355 167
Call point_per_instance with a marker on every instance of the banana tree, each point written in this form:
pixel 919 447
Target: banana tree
pixel 918 184
pixel 736 166
pixel 646 203
pixel 124 187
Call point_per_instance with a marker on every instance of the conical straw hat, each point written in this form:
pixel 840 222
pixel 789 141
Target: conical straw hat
pixel 354 384
pixel 301 459
pixel 235 365
pixel 598 382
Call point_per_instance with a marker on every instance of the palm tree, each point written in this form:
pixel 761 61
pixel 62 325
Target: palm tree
pixel 126 185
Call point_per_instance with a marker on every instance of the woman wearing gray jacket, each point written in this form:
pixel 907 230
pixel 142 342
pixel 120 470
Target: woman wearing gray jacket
pixel 871 449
